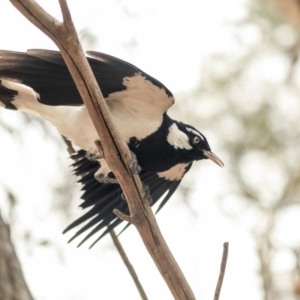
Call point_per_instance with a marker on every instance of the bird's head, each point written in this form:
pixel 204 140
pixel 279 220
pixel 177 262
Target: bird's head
pixel 192 142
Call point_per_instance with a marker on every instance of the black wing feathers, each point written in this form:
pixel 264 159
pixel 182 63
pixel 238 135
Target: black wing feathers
pixel 103 198
pixel 6 96
pixel 46 72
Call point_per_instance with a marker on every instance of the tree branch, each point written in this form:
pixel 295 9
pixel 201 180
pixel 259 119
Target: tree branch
pixel 116 152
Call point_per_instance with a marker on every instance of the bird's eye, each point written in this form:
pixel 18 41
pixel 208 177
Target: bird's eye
pixel 196 140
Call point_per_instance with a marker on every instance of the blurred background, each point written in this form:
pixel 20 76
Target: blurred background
pixel 233 68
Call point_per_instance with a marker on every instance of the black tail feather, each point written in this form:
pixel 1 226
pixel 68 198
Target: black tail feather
pixel 104 198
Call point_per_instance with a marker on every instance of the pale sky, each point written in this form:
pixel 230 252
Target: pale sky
pixel 173 38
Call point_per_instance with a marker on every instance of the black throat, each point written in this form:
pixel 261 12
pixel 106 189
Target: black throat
pixel 154 153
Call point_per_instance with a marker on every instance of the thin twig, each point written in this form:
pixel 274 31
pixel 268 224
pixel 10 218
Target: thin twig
pixel 222 271
pixel 116 151
pixel 128 265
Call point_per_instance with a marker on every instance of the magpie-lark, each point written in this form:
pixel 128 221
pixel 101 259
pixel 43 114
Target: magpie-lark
pixel 38 82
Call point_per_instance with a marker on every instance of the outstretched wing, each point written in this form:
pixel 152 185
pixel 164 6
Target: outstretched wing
pixel 46 73
pixel 103 198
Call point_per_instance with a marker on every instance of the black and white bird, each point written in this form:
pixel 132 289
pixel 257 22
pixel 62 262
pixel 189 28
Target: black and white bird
pixel 39 83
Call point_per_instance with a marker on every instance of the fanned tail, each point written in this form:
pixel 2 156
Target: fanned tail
pixel 103 198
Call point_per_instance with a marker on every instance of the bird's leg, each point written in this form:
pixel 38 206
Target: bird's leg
pixel 104 179
pixel 147 199
pixel 135 170
pixel 93 154
pixel 102 174
pixel 134 166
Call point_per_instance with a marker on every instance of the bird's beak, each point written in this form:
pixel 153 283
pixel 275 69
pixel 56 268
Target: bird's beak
pixel 213 157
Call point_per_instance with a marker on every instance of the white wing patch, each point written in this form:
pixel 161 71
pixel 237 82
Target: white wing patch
pixel 138 110
pixel 142 97
pixel 195 133
pixel 140 82
pixel 175 173
pixel 177 138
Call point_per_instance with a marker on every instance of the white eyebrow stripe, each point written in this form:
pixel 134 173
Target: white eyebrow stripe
pixel 177 138
pixel 196 133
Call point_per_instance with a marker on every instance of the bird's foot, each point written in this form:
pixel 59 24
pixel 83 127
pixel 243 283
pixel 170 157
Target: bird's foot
pixel 93 155
pixel 105 179
pixel 147 199
pixel 134 166
pixel 104 173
